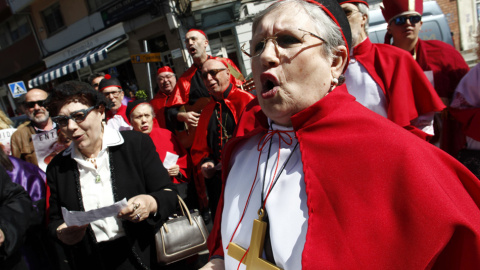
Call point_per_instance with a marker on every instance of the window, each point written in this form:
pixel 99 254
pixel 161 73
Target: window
pixel 53 19
pixel 13 29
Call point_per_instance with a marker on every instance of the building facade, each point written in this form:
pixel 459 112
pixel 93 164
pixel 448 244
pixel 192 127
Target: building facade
pixel 46 42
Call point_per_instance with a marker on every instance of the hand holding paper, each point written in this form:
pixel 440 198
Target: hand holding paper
pixel 78 218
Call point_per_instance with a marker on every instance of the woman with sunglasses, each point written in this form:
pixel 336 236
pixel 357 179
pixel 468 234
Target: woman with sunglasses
pixel 442 63
pixel 103 166
pixel 314 180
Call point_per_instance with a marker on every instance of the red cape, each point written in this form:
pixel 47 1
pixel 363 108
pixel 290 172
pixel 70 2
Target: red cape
pixel 236 102
pixel 165 142
pixel 181 92
pixel 448 68
pixel 122 111
pixel 158 104
pixel 408 92
pixel 378 196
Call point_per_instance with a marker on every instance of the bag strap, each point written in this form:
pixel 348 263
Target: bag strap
pixel 184 209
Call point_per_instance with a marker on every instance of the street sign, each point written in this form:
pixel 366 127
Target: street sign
pixel 145 58
pixel 17 89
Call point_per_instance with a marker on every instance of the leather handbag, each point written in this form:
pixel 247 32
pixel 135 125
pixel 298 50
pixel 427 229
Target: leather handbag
pixel 181 236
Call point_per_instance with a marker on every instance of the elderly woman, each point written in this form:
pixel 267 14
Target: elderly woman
pixel 331 188
pixel 103 166
pixel 142 116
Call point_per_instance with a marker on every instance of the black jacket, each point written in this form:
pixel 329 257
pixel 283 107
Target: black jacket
pixel 136 169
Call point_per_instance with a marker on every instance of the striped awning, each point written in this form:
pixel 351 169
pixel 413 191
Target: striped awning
pixel 73 64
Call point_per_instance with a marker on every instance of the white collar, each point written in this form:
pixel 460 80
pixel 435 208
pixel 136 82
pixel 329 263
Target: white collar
pixel 111 137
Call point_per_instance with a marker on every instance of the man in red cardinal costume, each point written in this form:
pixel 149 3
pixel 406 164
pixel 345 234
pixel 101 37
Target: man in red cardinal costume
pixel 115 116
pixel 465 108
pixel 444 65
pixel 338 186
pixel 215 127
pixel 166 82
pixel 387 79
pixel 190 87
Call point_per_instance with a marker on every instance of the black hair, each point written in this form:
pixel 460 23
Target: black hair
pixel 74 90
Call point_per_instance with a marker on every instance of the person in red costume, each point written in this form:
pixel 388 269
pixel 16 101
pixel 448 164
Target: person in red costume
pixel 443 65
pixel 116 117
pixel 141 115
pixel 465 107
pixel 215 127
pixel 166 81
pixel 338 186
pixel 387 79
pixel 190 87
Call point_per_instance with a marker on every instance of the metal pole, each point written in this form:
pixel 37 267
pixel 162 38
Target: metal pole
pixel 145 48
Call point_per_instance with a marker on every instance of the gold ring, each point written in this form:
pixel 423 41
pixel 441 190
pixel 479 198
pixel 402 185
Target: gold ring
pixel 135 207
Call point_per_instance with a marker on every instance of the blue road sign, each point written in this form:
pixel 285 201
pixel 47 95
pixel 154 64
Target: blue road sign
pixel 17 89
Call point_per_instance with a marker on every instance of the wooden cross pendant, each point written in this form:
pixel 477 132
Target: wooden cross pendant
pixel 253 260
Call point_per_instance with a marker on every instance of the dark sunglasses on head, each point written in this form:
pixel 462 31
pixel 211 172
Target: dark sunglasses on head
pixel 403 19
pixel 31 104
pixel 212 72
pixel 77 116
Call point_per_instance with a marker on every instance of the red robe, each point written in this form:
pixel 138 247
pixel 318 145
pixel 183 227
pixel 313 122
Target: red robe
pixel 165 142
pixel 448 68
pixel 158 103
pixel 408 92
pixel 236 102
pixel 181 92
pixel 378 196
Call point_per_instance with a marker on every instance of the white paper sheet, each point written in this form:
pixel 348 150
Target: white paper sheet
pixel 79 218
pixel 170 160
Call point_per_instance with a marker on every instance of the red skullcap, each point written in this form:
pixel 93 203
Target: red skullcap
pixel 197 30
pixel 394 8
pixel 352 2
pixel 164 69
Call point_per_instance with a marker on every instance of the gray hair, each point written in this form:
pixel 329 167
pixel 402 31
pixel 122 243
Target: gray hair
pixel 364 10
pixel 324 25
pixel 143 103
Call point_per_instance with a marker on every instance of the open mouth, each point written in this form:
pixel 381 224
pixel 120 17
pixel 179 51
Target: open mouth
pixel 192 50
pixel 269 85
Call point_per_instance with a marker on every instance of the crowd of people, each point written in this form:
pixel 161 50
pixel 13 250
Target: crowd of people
pixel 349 155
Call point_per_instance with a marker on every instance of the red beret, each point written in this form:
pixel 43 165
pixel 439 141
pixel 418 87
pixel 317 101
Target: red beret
pixel 164 69
pixel 352 2
pixel 197 30
pixel 394 8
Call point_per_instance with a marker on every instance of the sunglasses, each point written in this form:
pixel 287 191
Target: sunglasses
pixel 212 72
pixel 403 19
pixel 31 104
pixel 77 116
pixel 350 12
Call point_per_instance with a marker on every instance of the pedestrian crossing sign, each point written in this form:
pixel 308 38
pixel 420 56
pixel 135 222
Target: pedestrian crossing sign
pixel 17 89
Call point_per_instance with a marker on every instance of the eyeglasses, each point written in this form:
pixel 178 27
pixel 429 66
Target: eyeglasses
pixel 212 72
pixel 95 84
pixel 401 20
pixel 77 116
pixel 164 78
pixel 350 12
pixel 283 41
pixel 31 104
pixel 114 93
